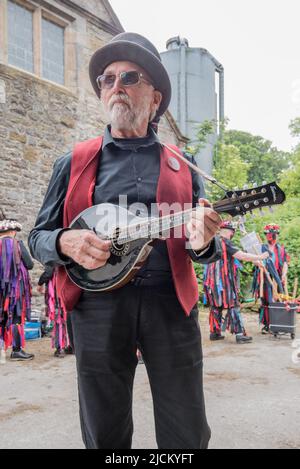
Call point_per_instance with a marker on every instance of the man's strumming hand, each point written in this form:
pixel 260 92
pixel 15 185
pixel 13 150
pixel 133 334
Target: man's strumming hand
pixel 85 248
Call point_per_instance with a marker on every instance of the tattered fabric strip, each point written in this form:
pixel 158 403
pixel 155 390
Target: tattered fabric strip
pixel 57 315
pixel 15 292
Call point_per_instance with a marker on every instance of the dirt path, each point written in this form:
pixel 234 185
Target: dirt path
pixel 251 402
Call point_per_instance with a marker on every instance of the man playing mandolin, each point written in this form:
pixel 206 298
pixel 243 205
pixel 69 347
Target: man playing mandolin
pixel 156 311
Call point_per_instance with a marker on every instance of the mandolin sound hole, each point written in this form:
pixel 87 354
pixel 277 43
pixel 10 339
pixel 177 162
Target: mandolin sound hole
pixel 117 249
pixel 120 250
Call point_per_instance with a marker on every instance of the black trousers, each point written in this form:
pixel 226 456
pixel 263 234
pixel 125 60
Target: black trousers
pixel 108 328
pixel 70 331
pixel 17 341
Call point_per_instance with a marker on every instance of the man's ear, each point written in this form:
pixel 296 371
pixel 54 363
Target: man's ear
pixel 157 98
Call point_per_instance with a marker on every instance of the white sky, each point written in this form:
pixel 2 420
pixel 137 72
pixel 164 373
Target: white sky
pixel 257 41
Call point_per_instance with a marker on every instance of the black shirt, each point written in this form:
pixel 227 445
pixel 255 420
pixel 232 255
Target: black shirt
pixel 230 248
pixel 128 167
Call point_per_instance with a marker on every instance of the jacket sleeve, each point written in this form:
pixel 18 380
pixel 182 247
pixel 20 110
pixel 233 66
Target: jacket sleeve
pixel 43 238
pixel 46 276
pixel 211 254
pixel 214 251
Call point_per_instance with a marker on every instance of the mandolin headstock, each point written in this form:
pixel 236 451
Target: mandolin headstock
pixel 239 202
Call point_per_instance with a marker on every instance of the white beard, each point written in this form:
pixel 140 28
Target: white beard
pixel 123 116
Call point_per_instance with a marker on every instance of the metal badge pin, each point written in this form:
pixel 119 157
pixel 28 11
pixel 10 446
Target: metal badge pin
pixel 174 164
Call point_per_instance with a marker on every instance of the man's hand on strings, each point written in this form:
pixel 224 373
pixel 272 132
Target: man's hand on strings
pixel 203 226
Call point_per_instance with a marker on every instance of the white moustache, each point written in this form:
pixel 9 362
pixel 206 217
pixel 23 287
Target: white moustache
pixel 119 99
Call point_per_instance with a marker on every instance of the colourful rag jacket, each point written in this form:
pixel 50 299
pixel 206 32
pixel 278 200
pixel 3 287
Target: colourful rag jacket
pixel 54 310
pixel 274 266
pixel 15 288
pixel 221 280
pixel 279 258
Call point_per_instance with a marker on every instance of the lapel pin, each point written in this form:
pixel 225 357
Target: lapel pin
pixel 174 164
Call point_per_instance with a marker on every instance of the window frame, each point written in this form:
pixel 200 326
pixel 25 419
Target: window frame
pixel 39 13
pixel 29 8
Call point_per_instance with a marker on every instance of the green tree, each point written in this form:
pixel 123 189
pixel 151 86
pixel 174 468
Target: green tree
pixel 295 127
pixel 265 161
pixel 290 179
pixel 204 131
pixel 230 170
pixel 243 158
pixel 288 217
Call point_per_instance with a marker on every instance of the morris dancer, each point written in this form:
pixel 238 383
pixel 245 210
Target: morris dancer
pixel 15 290
pixel 277 268
pixel 222 287
pixel 56 314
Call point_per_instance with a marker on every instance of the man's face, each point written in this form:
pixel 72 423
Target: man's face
pixel 129 107
pixel 272 238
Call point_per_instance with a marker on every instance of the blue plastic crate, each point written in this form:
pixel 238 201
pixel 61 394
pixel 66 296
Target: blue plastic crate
pixel 33 330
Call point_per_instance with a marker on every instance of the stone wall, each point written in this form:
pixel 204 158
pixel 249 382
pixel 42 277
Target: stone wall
pixel 40 121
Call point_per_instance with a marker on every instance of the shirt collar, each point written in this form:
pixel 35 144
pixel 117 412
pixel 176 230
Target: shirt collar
pixel 126 144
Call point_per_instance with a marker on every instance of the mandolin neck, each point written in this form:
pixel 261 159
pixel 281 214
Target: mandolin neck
pixel 157 227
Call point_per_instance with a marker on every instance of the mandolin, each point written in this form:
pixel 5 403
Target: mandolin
pixel 132 236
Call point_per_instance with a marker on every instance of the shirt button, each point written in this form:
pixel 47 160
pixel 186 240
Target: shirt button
pixel 140 179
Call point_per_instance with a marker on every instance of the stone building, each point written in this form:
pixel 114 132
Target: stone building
pixel 46 100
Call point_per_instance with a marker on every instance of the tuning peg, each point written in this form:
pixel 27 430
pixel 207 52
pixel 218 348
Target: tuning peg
pixel 265 183
pixel 271 209
pixel 246 187
pixel 252 214
pixel 255 185
pixel 262 213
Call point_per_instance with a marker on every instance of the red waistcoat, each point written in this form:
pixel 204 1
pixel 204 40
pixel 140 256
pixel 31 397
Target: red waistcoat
pixel 173 186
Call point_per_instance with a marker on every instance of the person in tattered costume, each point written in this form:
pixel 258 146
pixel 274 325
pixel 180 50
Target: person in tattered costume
pixel 15 290
pixel 222 286
pixel 277 268
pixel 62 336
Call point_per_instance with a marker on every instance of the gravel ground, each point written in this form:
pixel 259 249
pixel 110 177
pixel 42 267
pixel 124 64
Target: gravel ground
pixel 252 396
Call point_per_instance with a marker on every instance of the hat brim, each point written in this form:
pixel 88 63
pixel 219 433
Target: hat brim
pixel 130 52
pixel 10 225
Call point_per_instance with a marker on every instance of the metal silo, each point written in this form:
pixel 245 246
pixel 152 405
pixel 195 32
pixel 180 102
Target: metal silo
pixel 198 91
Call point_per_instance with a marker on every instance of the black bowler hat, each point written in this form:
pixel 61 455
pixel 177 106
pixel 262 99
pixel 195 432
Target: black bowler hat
pixel 134 48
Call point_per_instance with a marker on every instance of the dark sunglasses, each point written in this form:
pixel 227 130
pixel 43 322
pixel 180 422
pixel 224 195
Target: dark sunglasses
pixel 130 78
